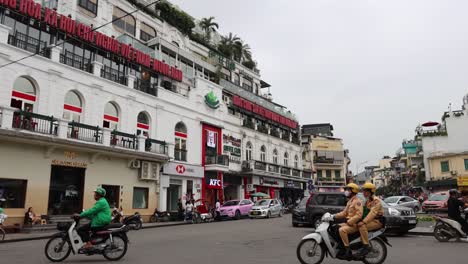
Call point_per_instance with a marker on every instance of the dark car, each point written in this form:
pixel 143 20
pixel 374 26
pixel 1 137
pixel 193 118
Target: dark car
pixel 299 214
pixel 398 219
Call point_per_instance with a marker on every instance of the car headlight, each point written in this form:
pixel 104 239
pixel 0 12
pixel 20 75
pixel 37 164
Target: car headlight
pixel 394 212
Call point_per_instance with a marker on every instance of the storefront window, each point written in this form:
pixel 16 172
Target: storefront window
pixel 23 95
pixel 12 193
pixel 143 124
pixel 140 198
pixel 275 156
pixel 263 153
pixel 111 116
pixel 125 24
pixel 286 159
pixel 146 32
pixel 180 150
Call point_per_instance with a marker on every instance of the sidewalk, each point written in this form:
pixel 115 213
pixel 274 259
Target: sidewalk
pixel 18 237
pixel 422 231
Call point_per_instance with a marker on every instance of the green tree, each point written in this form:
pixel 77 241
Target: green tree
pixel 208 25
pixel 227 45
pixel 242 51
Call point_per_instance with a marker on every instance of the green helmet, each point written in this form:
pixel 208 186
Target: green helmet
pixel 100 191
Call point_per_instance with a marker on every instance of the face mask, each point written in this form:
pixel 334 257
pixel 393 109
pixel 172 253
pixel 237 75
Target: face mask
pixel 347 193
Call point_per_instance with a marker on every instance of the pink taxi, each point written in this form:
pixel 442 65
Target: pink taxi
pixel 235 209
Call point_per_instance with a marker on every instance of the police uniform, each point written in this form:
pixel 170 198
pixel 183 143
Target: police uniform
pixel 353 213
pixel 372 218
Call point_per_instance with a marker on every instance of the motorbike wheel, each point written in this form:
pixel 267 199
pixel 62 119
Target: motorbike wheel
pixel 440 235
pixel 280 213
pixel 153 219
pixel 137 225
pixel 57 249
pixel 378 252
pixel 116 249
pixel 307 255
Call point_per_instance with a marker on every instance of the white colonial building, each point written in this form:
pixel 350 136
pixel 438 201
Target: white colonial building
pixel 135 107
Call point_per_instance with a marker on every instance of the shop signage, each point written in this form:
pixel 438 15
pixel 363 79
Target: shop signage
pixel 293 184
pixel 250 188
pixel 214 184
pixel 261 111
pixel 268 181
pixel 232 146
pixel 73 28
pixel 462 181
pixel 211 100
pixel 173 168
pixel 76 164
pixel 211 139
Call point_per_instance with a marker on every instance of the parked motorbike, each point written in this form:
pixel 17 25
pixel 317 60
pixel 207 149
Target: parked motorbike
pixel 134 222
pixel 447 229
pixel 159 216
pixel 111 242
pixel 325 241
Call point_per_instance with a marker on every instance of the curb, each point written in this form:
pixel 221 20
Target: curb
pixel 49 235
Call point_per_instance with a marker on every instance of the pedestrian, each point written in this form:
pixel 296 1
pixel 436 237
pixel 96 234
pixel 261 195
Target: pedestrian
pixel 188 210
pixel 33 218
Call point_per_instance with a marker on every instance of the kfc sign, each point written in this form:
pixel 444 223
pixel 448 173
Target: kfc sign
pixel 214 184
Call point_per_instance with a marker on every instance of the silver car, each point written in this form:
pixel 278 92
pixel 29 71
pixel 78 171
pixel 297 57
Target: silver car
pixel 266 208
pixel 405 201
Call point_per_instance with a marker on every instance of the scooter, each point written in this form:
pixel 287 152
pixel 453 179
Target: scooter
pixel 447 229
pixel 134 222
pixel 325 241
pixel 159 216
pixel 111 242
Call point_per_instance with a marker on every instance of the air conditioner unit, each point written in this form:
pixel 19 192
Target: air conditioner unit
pixel 149 171
pixel 136 164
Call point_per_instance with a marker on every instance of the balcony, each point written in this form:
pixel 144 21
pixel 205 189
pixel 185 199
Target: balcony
pixel 28 43
pixel 296 140
pixel 285 136
pixel 273 168
pixel 217 163
pixel 307 174
pixel 328 161
pixel 156 146
pixel 262 129
pixel 146 87
pixel 274 132
pixel 35 123
pixel 84 132
pixel 286 171
pixel 296 173
pixel 124 140
pixel 113 75
pixel 76 61
pixel 248 123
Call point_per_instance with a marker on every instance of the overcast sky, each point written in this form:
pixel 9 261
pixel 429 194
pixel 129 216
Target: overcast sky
pixel 375 69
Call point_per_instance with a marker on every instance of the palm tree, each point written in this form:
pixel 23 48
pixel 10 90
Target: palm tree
pixel 242 51
pixel 208 25
pixel 227 45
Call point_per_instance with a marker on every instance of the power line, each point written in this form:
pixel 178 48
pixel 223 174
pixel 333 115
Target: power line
pixel 87 32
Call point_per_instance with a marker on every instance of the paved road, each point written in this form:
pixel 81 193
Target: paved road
pixel 232 242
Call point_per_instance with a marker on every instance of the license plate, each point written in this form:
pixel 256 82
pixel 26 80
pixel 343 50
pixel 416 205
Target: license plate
pixel 412 221
pixel 255 213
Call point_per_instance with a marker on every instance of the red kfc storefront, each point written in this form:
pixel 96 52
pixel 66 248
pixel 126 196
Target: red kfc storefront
pixel 212 189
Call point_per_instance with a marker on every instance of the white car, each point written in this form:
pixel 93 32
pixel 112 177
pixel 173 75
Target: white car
pixel 266 208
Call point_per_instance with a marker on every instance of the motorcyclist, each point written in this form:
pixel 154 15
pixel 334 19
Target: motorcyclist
pixel 99 214
pixel 372 217
pixel 454 206
pixel 353 214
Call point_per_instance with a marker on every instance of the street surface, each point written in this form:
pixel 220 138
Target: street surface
pixel 264 241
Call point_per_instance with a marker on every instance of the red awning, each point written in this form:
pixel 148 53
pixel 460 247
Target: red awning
pixel 430 124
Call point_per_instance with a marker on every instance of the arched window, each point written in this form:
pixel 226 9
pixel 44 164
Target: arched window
pixel 23 95
pixel 111 116
pixel 143 124
pixel 72 107
pixel 263 153
pixel 180 150
pixel 286 159
pixel 146 32
pixel 175 43
pixel 248 151
pixel 296 162
pixel 125 24
pixel 275 156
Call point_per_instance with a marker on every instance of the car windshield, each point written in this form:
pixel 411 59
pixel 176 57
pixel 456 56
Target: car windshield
pixel 391 200
pixel 438 197
pixel 262 203
pixel 231 203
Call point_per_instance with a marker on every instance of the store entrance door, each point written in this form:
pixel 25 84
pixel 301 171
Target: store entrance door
pixel 112 195
pixel 173 194
pixel 66 190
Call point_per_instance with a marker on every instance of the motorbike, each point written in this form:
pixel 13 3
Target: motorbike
pixel 134 221
pixel 447 229
pixel 159 216
pixel 111 242
pixel 325 241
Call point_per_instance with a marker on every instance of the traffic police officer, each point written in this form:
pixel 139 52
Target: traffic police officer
pixel 372 218
pixel 353 214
